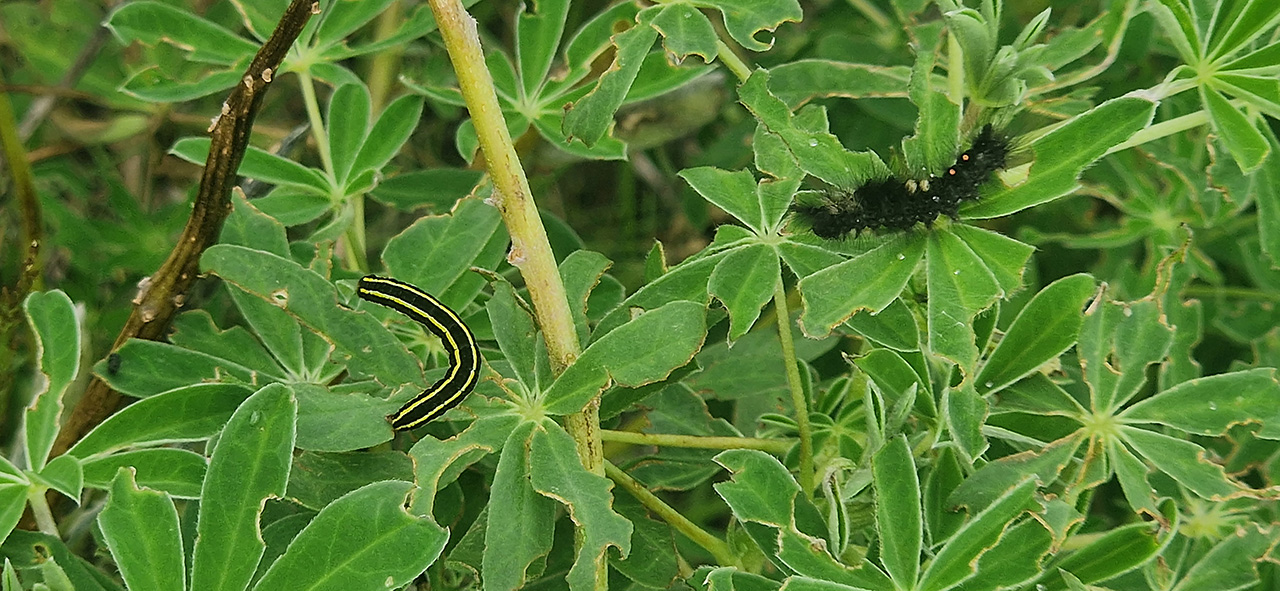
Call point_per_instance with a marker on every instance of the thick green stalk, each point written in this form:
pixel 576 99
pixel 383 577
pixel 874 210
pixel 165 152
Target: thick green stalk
pixel 530 250
pixel 773 446
pixel 717 547
pixel 798 399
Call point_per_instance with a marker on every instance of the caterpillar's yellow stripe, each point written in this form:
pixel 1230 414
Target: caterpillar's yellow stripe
pixel 459 344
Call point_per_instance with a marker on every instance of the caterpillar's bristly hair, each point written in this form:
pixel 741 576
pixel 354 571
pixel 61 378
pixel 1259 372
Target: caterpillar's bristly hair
pixel 898 204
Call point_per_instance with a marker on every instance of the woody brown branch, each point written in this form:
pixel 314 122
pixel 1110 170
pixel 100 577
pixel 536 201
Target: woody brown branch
pixel 161 295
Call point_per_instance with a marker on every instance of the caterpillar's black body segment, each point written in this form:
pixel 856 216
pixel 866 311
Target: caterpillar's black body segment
pixel 896 204
pixel 459 344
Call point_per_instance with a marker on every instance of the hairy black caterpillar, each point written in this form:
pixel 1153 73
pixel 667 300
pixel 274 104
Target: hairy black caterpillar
pixel 895 204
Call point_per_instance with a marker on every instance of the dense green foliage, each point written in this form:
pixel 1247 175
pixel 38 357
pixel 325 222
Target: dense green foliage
pixel 1070 386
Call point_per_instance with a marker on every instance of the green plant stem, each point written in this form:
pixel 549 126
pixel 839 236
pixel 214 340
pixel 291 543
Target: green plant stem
pixel 317 122
pixel 773 446
pixel 530 250
pixel 731 60
pixel 1242 293
pixel 1163 129
pixel 717 547
pixel 29 270
pixel 40 508
pixel 385 63
pixel 797 388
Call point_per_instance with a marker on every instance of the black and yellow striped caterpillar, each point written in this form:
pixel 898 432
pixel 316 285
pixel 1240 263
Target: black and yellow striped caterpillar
pixel 459 344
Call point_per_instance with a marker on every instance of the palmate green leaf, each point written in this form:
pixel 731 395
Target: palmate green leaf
pixel 1113 553
pixel 190 413
pixel 1232 564
pixel 745 20
pixel 1268 180
pixel 63 474
pixel 147 368
pixel 591 116
pixel 1062 154
pixel 734 192
pixel 984 486
pixel 154 86
pixel 249 226
pixel 965 413
pixel 258 164
pixel 448 185
pixel 1182 460
pixel 521 522
pixel 515 332
pixel 1236 24
pixel 318 479
pixel 343 17
pixel 1131 472
pixel 1176 19
pixel 686 281
pixel 11 582
pixel 1260 92
pixel 1247 145
pixel 389 134
pixel 62 570
pixel 332 421
pixel 818 152
pixel 869 281
pixel 653 561
pixel 745 281
pixel 898 517
pixel 806 555
pixel 53 322
pixel 551 126
pixel 581 272
pixel 645 350
pixel 1014 560
pixel 310 298
pixel 437 252
pixel 960 286
pixel 1004 257
pixel 249 464
pixel 1211 405
pixel 893 327
pixel 294 206
pixel 538 33
pixel 177 472
pixel 728 578
pixel 685 32
pixel 801 81
pixel 438 463
pixel 347 124
pixel 141 529
pixel 1117 343
pixel 678 410
pixel 895 378
pixel 761 489
pixel 154 22
pixel 556 472
pixel 279 331
pixel 13 501
pixel 956 560
pixel 260 16
pixel 1047 326
pixel 933 147
pixel 364 540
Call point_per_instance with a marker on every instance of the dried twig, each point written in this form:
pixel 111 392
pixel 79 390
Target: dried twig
pixel 160 295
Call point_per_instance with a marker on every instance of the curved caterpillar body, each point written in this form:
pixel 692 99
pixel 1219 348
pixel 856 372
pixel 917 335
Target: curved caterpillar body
pixel 459 344
pixel 896 204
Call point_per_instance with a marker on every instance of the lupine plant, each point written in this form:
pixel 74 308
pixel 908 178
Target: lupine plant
pixel 1065 382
